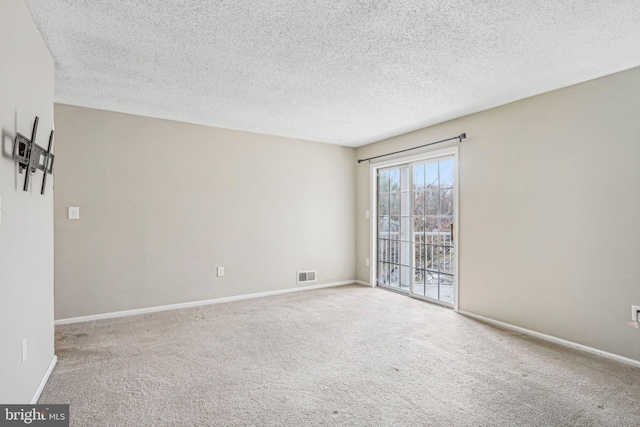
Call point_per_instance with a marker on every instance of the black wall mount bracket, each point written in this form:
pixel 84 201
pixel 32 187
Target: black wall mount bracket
pixel 31 157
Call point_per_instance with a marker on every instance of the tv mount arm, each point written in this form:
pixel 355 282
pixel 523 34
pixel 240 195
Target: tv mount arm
pixel 32 157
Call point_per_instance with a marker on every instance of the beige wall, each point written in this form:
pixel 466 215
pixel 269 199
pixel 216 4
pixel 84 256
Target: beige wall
pixel 163 203
pixel 549 209
pixel 26 232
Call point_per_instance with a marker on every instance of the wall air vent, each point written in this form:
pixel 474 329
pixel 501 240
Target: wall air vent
pixel 306 276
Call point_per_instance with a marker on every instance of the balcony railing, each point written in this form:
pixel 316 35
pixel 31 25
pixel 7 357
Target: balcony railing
pixel 432 252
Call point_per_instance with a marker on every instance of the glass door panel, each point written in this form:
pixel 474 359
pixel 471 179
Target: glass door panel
pixel 433 239
pixel 394 228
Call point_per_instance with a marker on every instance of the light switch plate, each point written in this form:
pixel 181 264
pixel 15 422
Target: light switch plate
pixel 366 214
pixel 220 271
pixel 74 212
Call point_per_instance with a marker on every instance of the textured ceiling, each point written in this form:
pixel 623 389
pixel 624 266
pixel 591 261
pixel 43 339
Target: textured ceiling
pixel 345 72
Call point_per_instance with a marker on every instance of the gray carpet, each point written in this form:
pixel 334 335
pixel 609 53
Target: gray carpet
pixel 349 356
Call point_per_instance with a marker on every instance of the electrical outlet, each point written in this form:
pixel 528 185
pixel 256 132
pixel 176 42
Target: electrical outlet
pixel 366 262
pixel 635 313
pixel 220 271
pixel 24 350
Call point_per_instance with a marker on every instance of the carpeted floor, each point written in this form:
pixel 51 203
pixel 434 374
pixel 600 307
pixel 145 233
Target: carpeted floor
pixel 348 356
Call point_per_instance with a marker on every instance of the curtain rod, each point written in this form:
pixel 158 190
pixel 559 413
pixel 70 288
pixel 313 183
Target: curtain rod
pixel 460 137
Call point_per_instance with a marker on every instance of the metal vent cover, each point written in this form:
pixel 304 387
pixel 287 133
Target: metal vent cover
pixel 307 276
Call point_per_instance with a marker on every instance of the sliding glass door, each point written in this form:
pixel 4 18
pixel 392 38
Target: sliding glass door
pixel 416 229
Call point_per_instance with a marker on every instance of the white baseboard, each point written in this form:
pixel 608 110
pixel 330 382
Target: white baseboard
pixel 52 365
pixel 553 339
pixel 360 282
pixel 195 303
